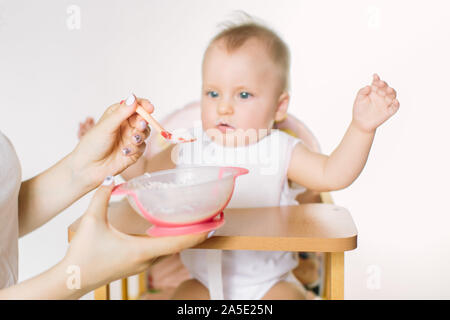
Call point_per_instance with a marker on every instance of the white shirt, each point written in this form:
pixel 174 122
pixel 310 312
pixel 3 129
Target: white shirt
pixel 10 180
pixel 266 185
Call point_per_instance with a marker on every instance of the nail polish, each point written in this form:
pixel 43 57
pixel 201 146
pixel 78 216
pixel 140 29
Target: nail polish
pixel 130 100
pixel 137 138
pixel 143 124
pixel 126 151
pixel 108 181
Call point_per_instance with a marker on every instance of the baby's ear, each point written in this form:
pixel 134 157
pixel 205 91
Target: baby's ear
pixel 282 106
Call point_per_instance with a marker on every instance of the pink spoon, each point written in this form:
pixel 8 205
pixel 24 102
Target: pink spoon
pixel 166 134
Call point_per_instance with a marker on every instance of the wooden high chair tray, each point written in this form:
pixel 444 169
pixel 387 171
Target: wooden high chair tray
pixel 314 227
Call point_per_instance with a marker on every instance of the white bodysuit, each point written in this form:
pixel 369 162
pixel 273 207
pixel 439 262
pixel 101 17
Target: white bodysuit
pixel 10 178
pixel 246 275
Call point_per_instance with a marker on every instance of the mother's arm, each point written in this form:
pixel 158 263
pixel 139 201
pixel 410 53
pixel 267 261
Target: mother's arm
pixel 98 254
pixel 45 195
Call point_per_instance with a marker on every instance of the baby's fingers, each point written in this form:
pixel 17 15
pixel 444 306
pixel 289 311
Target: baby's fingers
pixel 388 101
pixel 391 93
pixel 375 78
pixel 395 103
pixel 381 84
pixel 381 92
pixel 394 106
pixel 363 93
pixel 84 127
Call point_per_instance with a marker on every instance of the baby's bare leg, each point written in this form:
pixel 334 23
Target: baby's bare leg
pixel 191 290
pixel 284 290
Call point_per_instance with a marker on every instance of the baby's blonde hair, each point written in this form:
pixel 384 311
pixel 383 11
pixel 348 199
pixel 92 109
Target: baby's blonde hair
pixel 234 35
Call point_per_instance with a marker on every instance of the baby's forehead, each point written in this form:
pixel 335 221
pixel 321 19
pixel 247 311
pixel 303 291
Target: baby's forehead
pixel 250 46
pixel 251 60
pixel 250 56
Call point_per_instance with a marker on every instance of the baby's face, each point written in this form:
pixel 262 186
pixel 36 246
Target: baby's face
pixel 240 93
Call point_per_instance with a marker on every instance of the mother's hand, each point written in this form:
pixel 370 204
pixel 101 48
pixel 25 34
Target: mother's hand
pixel 113 144
pixel 103 254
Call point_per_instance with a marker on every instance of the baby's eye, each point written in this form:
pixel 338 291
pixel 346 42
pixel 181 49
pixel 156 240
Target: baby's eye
pixel 245 95
pixel 212 94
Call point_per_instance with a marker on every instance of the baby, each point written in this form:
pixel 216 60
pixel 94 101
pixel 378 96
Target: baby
pixel 244 92
pixel 245 83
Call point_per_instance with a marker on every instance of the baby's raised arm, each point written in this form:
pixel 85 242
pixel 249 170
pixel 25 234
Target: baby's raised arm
pixel 373 105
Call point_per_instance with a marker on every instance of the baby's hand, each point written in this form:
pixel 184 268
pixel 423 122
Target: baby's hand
pixel 374 104
pixel 85 126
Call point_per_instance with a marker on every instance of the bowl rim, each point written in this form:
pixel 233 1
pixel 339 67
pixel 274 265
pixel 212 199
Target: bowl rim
pixel 178 187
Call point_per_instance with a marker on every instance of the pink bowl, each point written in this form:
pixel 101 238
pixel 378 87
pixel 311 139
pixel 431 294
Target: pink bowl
pixel 183 200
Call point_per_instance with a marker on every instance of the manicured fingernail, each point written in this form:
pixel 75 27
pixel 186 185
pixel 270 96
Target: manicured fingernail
pixel 130 100
pixel 122 101
pixel 210 234
pixel 143 124
pixel 108 181
pixel 126 151
pixel 137 138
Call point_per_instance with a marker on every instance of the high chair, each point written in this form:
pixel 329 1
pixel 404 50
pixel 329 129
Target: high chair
pixel 316 225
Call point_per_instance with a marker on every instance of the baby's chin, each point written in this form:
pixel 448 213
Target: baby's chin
pixel 232 137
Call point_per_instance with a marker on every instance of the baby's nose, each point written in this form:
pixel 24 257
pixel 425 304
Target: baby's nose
pixel 225 108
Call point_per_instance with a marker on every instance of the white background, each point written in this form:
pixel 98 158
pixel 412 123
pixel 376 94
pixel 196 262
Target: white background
pixel 52 77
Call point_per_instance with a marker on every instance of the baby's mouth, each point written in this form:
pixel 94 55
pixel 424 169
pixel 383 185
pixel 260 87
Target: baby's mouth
pixel 224 127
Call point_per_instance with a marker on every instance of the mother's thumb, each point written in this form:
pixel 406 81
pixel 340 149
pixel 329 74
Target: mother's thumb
pixel 99 203
pixel 118 113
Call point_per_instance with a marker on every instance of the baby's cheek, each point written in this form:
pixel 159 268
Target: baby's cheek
pixel 258 120
pixel 207 119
